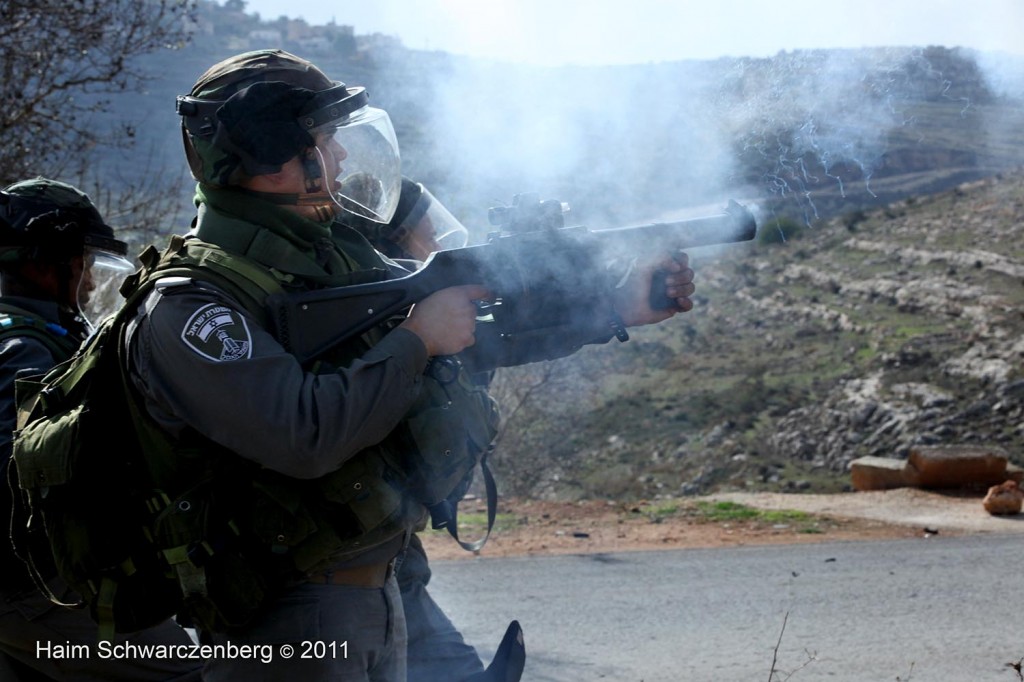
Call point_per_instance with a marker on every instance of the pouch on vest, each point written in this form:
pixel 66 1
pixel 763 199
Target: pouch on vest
pixel 222 588
pixel 453 425
pixel 363 485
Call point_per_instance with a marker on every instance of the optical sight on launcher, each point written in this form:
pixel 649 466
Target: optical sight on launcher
pixel 546 279
pixel 528 213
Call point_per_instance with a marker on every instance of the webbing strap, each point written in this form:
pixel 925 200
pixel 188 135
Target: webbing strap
pixel 449 511
pixel 192 578
pixel 105 609
pixel 25 554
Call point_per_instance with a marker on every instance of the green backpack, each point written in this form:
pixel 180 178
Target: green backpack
pixel 81 456
pixel 79 467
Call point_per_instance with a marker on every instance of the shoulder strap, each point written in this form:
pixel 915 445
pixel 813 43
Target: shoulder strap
pixel 15 322
pixel 237 276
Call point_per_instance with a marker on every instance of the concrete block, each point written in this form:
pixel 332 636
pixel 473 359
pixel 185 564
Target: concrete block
pixel 881 473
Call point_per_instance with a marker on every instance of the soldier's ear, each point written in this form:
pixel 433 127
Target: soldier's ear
pixel 290 179
pixel 41 276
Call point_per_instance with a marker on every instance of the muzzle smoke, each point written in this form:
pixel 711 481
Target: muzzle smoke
pixel 804 134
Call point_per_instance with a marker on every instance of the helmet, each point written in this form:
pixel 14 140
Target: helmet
pixel 50 220
pixel 420 226
pixel 250 114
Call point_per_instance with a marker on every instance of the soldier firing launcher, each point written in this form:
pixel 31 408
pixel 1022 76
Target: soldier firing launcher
pixel 545 277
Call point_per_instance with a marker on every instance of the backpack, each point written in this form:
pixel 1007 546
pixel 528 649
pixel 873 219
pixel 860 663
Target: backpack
pixel 20 324
pixel 79 467
pixel 81 458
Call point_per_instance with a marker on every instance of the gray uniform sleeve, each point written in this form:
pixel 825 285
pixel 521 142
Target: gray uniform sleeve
pixel 200 362
pixel 19 357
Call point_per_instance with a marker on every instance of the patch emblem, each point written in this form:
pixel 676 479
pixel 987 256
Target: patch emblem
pixel 218 333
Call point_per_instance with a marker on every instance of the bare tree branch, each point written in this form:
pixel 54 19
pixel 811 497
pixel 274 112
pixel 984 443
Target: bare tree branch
pixel 61 58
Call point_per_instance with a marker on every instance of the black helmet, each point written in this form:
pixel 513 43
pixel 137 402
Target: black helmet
pixel 252 113
pixel 43 219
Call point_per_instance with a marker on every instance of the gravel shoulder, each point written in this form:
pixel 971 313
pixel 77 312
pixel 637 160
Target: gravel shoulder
pixel 531 528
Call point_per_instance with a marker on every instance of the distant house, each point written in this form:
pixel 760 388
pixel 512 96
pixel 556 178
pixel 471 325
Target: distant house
pixel 315 44
pixel 265 37
pixel 378 42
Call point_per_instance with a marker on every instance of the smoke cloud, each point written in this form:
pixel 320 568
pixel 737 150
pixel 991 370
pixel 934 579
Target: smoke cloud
pixel 807 133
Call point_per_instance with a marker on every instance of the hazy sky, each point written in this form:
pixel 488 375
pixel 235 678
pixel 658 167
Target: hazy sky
pixel 554 32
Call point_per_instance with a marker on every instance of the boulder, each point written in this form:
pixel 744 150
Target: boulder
pixel 958 466
pixel 1004 499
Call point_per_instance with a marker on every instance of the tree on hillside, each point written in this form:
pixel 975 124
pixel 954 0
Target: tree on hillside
pixel 61 64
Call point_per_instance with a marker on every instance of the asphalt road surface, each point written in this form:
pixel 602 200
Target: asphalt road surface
pixel 941 609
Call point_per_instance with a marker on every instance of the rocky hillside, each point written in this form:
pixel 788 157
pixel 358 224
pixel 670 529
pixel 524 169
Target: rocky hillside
pixel 864 335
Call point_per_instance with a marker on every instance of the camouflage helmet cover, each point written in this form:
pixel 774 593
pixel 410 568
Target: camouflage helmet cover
pixel 48 218
pixel 261 124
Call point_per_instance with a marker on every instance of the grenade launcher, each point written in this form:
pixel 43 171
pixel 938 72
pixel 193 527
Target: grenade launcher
pixel 544 276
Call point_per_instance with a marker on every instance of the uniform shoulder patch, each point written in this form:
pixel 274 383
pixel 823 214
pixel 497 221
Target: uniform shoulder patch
pixel 218 333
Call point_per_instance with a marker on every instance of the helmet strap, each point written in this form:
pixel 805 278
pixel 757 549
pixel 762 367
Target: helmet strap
pixel 316 197
pixel 311 168
pixel 321 202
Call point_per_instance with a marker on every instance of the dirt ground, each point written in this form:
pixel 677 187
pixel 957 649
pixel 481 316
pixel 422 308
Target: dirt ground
pixel 526 527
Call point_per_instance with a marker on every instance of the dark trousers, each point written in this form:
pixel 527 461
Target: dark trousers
pixel 437 651
pixel 340 633
pixel 41 641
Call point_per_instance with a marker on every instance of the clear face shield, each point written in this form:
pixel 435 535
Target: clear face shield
pixel 96 278
pixel 429 227
pixel 360 163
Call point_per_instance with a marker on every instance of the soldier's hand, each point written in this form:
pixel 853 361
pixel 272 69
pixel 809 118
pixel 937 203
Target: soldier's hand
pixel 632 299
pixel 446 320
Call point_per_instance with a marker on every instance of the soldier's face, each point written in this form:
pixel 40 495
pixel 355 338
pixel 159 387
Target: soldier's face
pixel 332 154
pixel 293 177
pixel 422 239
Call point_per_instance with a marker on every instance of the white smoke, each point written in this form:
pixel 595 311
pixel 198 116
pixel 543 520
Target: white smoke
pixel 626 144
pixel 1004 73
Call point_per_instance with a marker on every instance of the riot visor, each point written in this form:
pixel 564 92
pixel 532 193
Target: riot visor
pixel 97 281
pixel 359 159
pixel 428 227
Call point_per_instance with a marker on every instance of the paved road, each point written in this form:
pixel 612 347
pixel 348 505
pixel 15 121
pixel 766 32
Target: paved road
pixel 926 610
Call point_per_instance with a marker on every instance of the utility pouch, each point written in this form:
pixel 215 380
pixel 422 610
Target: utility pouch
pixel 221 584
pixel 452 427
pixel 362 485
